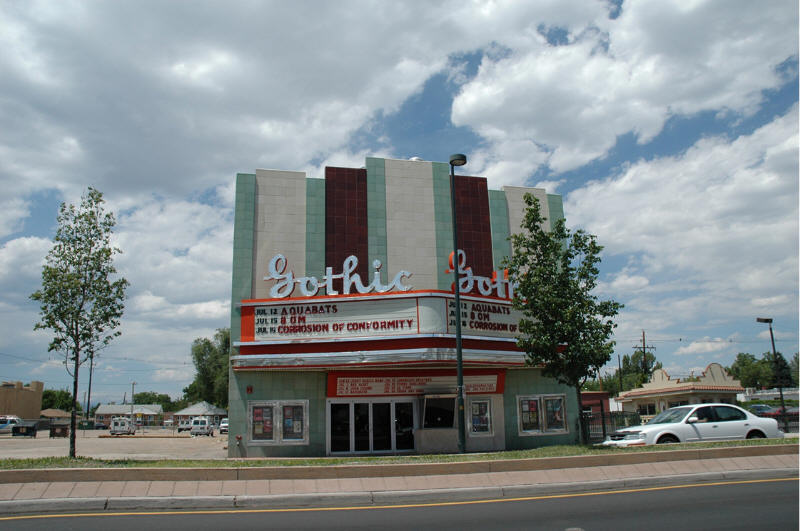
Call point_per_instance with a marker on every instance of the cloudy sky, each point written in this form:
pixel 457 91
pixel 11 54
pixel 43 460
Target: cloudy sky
pixel 670 128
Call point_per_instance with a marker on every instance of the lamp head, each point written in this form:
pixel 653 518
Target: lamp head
pixel 764 319
pixel 458 159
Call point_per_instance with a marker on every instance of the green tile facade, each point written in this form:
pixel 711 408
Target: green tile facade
pixel 242 278
pixel 282 385
pixel 443 217
pixel 376 215
pixel 556 208
pixel 315 229
pixel 530 381
pixel 498 214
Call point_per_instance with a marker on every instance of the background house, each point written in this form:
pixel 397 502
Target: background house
pixel 662 392
pixel 201 409
pixel 145 414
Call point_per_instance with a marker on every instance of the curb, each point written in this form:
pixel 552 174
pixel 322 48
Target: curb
pixel 388 470
pixel 378 498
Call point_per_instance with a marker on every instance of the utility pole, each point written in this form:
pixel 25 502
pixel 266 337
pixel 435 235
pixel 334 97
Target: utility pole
pixel 133 386
pixel 644 349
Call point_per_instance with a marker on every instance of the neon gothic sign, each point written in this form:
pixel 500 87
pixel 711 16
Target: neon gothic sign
pixel 310 286
pixel 498 285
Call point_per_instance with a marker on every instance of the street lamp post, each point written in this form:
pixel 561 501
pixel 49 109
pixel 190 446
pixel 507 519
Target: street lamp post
pixel 776 368
pixel 457 159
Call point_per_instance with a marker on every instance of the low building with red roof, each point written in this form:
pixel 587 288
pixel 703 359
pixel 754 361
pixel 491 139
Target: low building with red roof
pixel 715 384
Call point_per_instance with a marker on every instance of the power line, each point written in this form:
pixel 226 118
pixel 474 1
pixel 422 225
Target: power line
pixel 106 359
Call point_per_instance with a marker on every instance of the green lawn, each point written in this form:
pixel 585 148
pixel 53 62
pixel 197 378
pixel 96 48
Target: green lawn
pixel 548 451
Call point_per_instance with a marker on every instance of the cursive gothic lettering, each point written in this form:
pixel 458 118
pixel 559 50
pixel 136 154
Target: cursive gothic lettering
pixel 310 286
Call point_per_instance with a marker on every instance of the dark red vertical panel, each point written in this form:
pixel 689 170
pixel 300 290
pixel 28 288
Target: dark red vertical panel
pixel 346 220
pixel 474 225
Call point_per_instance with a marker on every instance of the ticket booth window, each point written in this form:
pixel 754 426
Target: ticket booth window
pixel 439 411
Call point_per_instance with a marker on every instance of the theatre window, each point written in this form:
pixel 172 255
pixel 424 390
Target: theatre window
pixel 278 422
pixel 480 415
pixel 541 414
pixel 439 411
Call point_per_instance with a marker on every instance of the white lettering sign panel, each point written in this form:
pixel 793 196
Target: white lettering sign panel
pixel 339 319
pixel 484 318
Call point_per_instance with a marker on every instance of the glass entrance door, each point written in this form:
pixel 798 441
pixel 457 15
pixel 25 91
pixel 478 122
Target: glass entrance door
pixel 373 426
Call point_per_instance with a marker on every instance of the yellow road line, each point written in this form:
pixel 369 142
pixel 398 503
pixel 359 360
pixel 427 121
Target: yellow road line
pixel 403 506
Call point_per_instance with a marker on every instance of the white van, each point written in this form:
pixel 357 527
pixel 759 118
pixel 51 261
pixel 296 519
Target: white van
pixel 122 426
pixel 202 426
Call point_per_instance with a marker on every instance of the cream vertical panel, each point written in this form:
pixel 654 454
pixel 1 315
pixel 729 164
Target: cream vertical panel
pixel 516 205
pixel 280 224
pixel 410 223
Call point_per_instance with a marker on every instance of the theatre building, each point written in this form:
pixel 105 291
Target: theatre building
pixel 343 316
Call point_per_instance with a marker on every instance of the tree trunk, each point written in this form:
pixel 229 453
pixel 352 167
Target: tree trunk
pixel 72 423
pixel 89 397
pixel 581 427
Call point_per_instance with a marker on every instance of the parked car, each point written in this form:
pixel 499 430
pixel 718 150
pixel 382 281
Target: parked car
pixel 122 426
pixel 168 423
pixel 100 426
pixel 791 413
pixel 759 409
pixel 223 426
pixel 201 426
pixel 184 425
pixel 697 422
pixel 7 422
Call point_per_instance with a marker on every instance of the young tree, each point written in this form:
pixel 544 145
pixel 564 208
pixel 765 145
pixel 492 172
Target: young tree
pixel 565 328
pixel 78 301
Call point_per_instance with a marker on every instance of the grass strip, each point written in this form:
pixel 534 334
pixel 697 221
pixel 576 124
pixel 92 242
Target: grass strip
pixel 545 451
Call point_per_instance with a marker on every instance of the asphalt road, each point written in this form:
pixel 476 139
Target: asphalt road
pixel 763 504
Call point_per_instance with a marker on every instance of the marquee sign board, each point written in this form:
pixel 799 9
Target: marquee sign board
pixel 335 319
pixel 374 316
pixel 484 318
pixel 404 383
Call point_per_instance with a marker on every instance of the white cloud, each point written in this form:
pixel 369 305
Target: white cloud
pixel 718 217
pixel 703 346
pixel 628 75
pixel 714 231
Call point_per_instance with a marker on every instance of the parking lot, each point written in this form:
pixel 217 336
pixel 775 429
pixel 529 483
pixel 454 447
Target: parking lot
pixel 152 443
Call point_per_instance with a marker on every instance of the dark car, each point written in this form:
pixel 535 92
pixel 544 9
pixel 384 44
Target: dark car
pixel 100 426
pixel 791 413
pixel 760 409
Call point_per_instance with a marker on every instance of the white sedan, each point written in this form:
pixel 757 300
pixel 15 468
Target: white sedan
pixel 697 422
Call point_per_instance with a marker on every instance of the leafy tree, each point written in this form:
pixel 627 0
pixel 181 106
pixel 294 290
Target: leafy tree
pixel 565 328
pixel 57 399
pixel 149 397
pixel 634 373
pixel 781 372
pixel 752 372
pixel 210 359
pixel 78 301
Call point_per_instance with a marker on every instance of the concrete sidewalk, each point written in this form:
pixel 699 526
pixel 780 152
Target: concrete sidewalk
pixel 139 494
